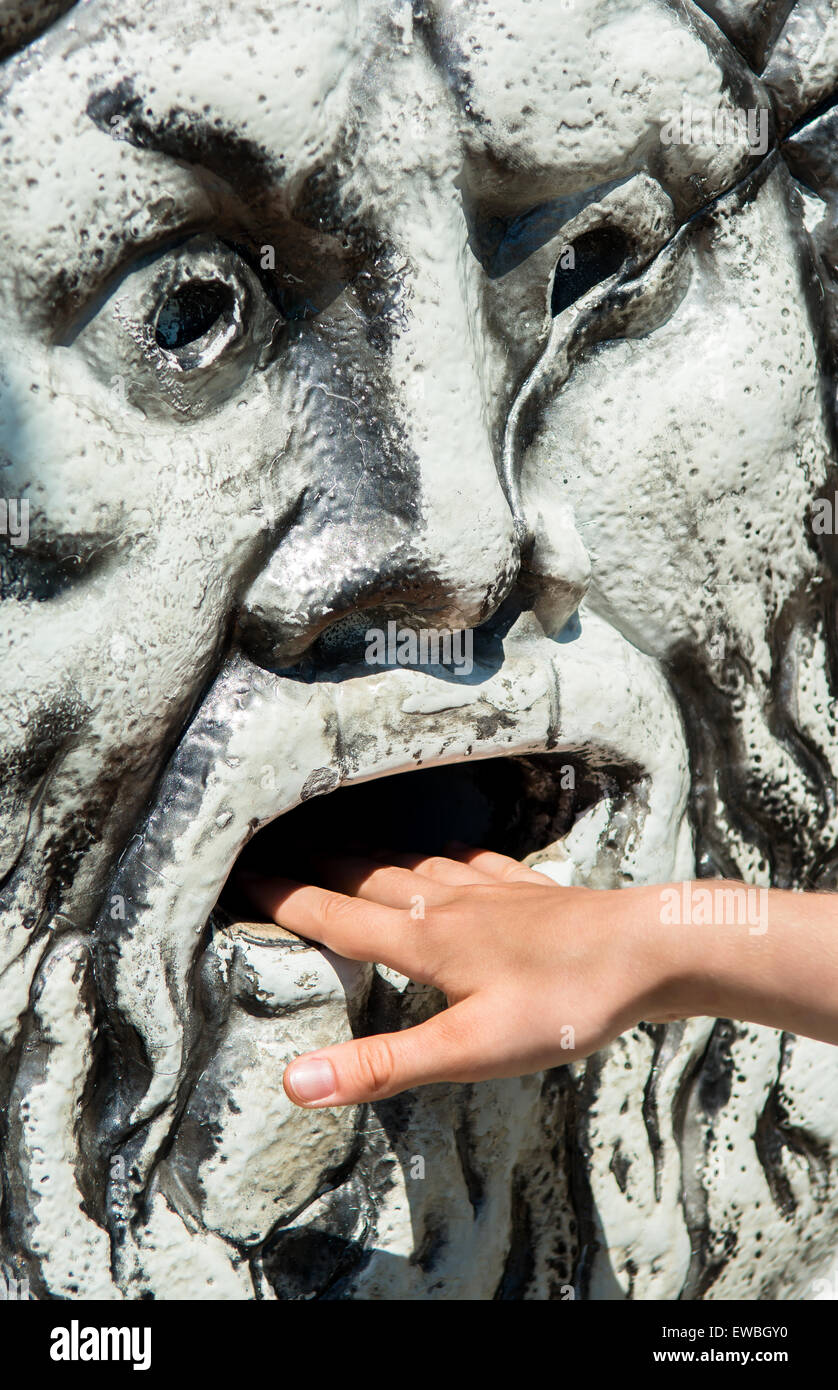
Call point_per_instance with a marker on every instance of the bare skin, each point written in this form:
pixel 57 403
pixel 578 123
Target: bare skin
pixel 522 962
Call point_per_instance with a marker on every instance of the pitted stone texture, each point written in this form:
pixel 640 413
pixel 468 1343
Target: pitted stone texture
pixel 800 73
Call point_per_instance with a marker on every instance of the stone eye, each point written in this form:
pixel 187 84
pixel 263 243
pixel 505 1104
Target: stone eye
pixel 191 312
pixel 591 258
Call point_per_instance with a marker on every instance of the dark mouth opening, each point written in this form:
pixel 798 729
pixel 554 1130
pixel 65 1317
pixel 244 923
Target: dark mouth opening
pixel 514 805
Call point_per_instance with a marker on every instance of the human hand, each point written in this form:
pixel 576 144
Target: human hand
pixel 534 974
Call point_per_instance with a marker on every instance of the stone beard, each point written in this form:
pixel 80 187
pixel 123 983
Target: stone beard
pixel 325 317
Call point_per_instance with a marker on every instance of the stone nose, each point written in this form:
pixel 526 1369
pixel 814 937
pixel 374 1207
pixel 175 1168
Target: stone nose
pixel 430 559
pixel 401 509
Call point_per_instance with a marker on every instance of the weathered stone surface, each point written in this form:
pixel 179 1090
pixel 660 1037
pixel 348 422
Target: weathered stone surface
pixel 801 70
pixel 319 316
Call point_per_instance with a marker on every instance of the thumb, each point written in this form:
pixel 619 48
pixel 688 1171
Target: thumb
pixel 442 1049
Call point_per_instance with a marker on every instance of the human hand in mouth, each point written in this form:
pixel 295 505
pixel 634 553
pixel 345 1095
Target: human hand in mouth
pixel 534 974
pixel 537 975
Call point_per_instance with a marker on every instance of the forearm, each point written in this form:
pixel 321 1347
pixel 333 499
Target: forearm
pixel 777 967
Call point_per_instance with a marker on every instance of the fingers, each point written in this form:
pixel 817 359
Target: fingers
pixel 386 883
pixel 497 868
pixel 445 1048
pixel 440 869
pixel 351 927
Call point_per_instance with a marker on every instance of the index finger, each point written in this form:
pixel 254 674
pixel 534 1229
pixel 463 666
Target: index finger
pixel 351 927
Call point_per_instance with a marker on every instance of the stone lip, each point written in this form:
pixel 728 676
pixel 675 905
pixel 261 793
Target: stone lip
pixel 268 934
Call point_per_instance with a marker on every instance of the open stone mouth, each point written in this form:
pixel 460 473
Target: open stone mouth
pixel 523 807
pixel 568 753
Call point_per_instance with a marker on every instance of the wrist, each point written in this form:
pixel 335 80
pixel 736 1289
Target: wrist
pixel 704 950
pixel 721 949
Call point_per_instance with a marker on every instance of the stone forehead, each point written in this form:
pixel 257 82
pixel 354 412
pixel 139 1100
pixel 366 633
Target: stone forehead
pixel 570 92
pixel 171 121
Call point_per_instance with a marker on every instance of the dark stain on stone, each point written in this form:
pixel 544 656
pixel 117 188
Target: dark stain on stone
pixel 186 136
pixel 31 21
pixel 519 1268
pixel 774 1133
pixel 462 1137
pixel 717 1071
pixel 620 1165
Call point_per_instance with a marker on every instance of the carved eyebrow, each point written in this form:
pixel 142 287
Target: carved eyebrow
pixel 247 178
pixel 194 144
pixel 190 137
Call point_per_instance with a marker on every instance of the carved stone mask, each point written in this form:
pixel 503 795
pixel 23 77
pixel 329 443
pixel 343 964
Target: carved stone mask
pixel 320 317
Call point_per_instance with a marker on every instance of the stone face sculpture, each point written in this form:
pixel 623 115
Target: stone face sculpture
pixel 319 316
